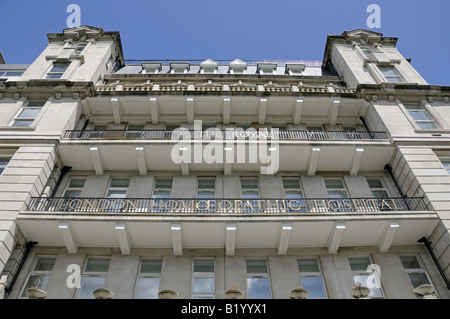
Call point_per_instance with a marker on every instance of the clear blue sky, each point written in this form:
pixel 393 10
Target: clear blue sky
pixel 244 29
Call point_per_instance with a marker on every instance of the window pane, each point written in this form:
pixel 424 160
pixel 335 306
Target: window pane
pixel 59 67
pixel 163 183
pixel 45 264
pixel 256 266
pixel 203 285
pixel 204 265
pixel 161 194
pixel 293 194
pixel 208 183
pixel 205 194
pixel 374 183
pixel 410 262
pixel 258 288
pixel 39 281
pixel 308 265
pixel 78 182
pixel 116 194
pixel 22 123
pixel 97 265
pixel 29 113
pixel 250 194
pixel 337 194
pixel 151 266
pixel 420 116
pixel 291 183
pixel 120 182
pixel 72 193
pixel 359 264
pixel 88 285
pixel 426 125
pixel 418 278
pixel 147 288
pixel 249 183
pixel 412 106
pixel 380 194
pixel 54 76
pixel 388 71
pixel 334 183
pixel 315 287
pixel 363 279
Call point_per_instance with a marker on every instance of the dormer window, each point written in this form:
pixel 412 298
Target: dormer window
pixel 151 68
pixel 179 67
pixel 295 68
pixel 390 73
pixel 267 68
pixel 237 67
pixel 208 66
pixel 57 70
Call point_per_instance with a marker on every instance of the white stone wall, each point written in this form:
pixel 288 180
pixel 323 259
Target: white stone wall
pixel 284 276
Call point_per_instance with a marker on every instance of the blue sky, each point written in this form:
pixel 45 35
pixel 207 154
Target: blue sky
pixel 244 29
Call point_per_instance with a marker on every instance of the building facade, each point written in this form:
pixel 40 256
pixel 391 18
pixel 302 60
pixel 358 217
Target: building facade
pixel 203 176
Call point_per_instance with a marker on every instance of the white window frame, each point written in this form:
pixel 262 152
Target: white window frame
pixel 49 74
pixel 262 275
pixel 4 161
pixel 383 187
pixel 256 189
pixel 388 78
pixel 445 161
pixel 298 189
pixel 200 189
pixel 366 273
pixel 91 274
pixel 421 109
pixel 116 188
pixel 203 294
pixel 143 275
pixel 344 187
pixel 304 274
pixel 45 273
pixel 26 106
pixel 420 270
pixel 69 188
pixel 163 189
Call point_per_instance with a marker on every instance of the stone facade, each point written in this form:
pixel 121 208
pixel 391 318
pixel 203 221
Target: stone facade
pixel 361 153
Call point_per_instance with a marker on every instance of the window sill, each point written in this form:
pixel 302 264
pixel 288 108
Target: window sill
pixel 432 131
pixel 17 128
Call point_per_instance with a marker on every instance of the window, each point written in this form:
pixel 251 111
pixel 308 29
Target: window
pixel 7 74
pixel 80 47
pixel 361 270
pixel 377 188
pixel 40 274
pixel 203 279
pixel 3 163
pixel 206 187
pixel 444 161
pixel 366 50
pixel 57 70
pixel 75 187
pixel 390 73
pixel 93 277
pixel 312 279
pixel 148 279
pixel 28 113
pixel 249 187
pixel 292 188
pixel 118 188
pixel 335 188
pixel 416 274
pixel 163 187
pixel 258 285
pixel 421 116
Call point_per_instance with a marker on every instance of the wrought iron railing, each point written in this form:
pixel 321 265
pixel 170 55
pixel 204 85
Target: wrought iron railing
pixel 226 134
pixel 225 206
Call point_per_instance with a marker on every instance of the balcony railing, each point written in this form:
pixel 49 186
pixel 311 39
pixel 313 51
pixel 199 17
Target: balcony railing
pixel 226 134
pixel 225 206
